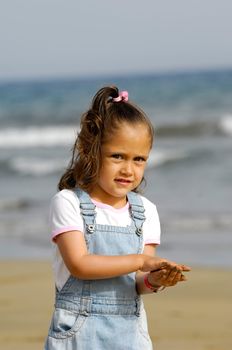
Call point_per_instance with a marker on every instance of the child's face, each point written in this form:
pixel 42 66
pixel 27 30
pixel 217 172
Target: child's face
pixel 124 156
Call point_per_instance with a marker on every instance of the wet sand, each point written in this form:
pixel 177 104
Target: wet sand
pixel 195 315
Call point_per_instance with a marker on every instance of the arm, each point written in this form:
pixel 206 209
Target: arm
pixel 83 265
pixel 140 285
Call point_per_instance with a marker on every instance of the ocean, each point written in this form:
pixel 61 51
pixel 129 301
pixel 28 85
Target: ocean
pixel 189 174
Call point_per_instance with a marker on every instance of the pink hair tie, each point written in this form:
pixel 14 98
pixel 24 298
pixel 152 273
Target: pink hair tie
pixel 122 96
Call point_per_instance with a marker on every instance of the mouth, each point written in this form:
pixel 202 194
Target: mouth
pixel 123 181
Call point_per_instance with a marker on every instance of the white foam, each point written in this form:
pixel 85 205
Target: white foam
pixel 160 157
pixel 35 166
pixel 37 136
pixel 225 124
pixel 200 223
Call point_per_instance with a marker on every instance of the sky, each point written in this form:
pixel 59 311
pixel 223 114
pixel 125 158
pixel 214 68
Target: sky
pixel 54 38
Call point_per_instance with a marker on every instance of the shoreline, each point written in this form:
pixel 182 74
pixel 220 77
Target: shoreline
pixel 195 315
pixel 174 246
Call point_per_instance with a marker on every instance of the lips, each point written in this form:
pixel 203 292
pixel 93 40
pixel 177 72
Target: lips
pixel 123 181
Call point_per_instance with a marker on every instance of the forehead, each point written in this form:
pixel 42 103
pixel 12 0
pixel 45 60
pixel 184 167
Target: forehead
pixel 129 137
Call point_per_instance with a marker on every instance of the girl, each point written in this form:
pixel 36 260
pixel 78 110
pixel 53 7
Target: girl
pixel 105 233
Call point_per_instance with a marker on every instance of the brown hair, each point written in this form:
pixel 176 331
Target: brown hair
pixel 97 123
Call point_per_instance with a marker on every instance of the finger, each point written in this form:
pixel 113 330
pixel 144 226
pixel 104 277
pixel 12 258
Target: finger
pixel 160 265
pixel 166 273
pixel 159 277
pixel 169 262
pixel 183 278
pixel 173 273
pixel 174 276
pixel 174 270
pixel 159 274
pixel 185 268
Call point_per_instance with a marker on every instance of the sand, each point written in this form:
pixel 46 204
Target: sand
pixel 195 315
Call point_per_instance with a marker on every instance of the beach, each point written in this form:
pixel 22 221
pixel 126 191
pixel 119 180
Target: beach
pixel 188 177
pixel 195 315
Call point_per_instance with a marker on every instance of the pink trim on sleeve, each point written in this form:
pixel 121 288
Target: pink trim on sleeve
pixel 65 229
pixel 151 242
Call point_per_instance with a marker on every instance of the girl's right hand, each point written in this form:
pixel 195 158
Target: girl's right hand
pixel 150 263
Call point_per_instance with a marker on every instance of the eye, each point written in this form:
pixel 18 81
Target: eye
pixel 140 159
pixel 116 156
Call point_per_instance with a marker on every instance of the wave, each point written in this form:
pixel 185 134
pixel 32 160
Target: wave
pixel 32 166
pixel 225 124
pixel 162 157
pixel 36 167
pixel 197 128
pixel 184 222
pixel 62 135
pixel 37 136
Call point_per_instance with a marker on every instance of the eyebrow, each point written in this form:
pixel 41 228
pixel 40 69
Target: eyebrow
pixel 125 153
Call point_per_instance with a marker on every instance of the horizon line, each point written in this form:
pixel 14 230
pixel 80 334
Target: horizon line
pixel 99 76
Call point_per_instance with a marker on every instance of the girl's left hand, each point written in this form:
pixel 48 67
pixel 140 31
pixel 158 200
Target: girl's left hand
pixel 168 277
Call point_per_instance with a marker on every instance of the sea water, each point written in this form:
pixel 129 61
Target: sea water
pixel 189 173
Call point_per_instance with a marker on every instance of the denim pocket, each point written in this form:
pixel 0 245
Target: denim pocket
pixel 65 323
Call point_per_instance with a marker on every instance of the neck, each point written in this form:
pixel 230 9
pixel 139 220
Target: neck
pixel 116 202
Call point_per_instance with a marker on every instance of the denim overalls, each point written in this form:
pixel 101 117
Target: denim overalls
pixel 104 314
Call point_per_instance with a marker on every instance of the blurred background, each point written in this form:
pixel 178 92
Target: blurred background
pixel 174 58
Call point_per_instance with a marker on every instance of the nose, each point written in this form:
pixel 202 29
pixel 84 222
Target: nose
pixel 127 169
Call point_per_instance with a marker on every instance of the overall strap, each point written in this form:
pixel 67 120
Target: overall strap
pixel 87 209
pixel 137 211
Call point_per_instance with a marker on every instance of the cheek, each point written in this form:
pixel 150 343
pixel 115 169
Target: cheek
pixel 140 172
pixel 106 170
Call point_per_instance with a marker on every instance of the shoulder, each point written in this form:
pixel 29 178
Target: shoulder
pixel 63 202
pixel 151 212
pixel 148 205
pixel 65 197
pixel 65 213
pixel 152 223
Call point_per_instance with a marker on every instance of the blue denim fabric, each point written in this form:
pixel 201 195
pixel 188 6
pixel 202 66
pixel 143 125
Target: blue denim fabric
pixel 107 313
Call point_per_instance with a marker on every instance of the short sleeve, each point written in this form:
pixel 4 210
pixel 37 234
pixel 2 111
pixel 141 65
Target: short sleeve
pixel 65 213
pixel 151 226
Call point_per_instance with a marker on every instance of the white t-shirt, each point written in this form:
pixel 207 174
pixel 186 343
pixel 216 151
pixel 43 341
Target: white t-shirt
pixel 65 216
